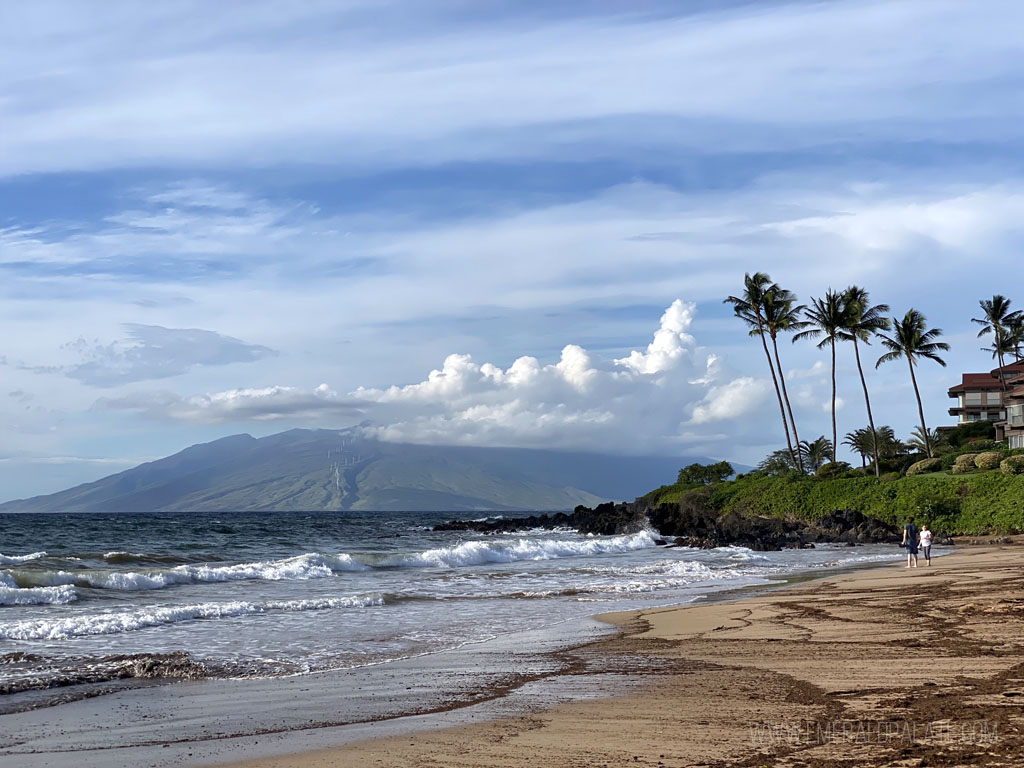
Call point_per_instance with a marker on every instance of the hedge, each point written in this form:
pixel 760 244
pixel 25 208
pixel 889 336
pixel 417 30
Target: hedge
pixel 988 460
pixel 964 463
pixel 980 503
pixel 1012 465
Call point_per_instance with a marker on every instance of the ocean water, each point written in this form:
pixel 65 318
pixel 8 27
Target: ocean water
pixel 270 594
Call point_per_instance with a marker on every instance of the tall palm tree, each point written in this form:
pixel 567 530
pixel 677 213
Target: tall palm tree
pixel 996 319
pixel 913 339
pixel 782 314
pixel 826 318
pixel 818 451
pixel 749 307
pixel 862 322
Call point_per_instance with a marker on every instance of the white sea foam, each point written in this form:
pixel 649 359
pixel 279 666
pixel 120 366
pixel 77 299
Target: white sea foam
pixel 109 623
pixel 37 595
pixel 510 551
pixel 301 567
pixel 14 559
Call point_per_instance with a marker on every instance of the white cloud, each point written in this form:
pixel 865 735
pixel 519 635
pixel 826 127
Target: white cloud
pixel 646 401
pixel 252 404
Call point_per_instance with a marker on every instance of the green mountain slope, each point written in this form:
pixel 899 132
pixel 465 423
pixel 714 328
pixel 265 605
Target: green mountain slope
pixel 339 470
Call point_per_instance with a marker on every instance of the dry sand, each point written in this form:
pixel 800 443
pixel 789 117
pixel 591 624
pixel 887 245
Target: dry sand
pixel 882 667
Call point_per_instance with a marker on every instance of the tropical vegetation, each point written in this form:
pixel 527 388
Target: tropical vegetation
pixel 770 310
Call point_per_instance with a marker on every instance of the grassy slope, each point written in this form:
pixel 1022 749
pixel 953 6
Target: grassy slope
pixel 982 502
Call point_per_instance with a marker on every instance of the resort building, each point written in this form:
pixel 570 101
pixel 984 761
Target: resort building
pixel 996 396
pixel 1011 428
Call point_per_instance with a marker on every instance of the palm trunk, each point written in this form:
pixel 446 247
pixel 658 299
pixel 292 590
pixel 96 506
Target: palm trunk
pixel 999 352
pixel 867 402
pixel 789 408
pixel 778 393
pixel 920 408
pixel 834 432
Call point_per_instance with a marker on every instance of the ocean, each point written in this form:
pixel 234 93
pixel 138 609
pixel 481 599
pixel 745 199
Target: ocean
pixel 88 598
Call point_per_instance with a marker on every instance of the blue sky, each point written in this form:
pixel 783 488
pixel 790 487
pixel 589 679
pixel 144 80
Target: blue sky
pixel 482 223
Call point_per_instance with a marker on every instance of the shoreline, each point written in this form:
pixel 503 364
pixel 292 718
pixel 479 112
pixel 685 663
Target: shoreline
pixel 523 671
pixel 879 666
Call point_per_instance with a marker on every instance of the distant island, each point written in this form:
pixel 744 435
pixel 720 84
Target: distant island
pixel 322 469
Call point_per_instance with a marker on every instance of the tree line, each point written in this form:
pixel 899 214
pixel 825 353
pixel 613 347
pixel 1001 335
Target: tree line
pixel 769 310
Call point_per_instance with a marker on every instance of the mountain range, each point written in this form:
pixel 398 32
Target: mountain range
pixel 321 469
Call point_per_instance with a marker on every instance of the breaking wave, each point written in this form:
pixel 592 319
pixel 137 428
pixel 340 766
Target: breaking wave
pixel 482 552
pixel 308 566
pixel 37 595
pixel 127 621
pixel 15 559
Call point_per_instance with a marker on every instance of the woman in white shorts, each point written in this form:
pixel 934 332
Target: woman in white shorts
pixel 926 543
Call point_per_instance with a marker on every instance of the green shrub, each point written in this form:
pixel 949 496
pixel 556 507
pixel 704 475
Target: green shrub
pixel 979 503
pixel 1012 465
pixel 980 446
pixel 988 460
pixel 964 463
pixel 975 430
pixel 832 469
pixel 948 460
pixel 921 467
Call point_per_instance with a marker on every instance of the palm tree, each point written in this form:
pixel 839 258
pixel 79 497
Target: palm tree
pixel 862 443
pixel 862 322
pixel 889 446
pixel 919 440
pixel 749 307
pixel 782 313
pixel 818 451
pixel 1015 335
pixel 911 340
pixel 826 318
pixel 996 319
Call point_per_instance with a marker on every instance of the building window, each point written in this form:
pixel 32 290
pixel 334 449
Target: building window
pixel 1016 441
pixel 972 398
pixel 994 398
pixel 1015 415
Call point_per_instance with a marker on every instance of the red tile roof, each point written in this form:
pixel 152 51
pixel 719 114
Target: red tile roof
pixel 1017 367
pixel 976 381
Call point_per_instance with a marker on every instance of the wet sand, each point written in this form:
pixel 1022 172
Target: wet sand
pixel 881 667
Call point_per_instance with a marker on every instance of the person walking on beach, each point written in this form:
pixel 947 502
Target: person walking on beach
pixel 926 543
pixel 910 534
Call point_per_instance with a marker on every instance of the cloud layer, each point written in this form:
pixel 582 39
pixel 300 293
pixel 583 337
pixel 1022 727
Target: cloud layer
pixel 423 83
pixel 646 401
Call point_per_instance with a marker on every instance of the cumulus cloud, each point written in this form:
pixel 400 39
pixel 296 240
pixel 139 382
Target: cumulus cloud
pixel 648 400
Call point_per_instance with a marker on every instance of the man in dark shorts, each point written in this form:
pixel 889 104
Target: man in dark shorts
pixel 910 542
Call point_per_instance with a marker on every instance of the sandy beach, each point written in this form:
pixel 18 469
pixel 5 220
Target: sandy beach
pixel 881 667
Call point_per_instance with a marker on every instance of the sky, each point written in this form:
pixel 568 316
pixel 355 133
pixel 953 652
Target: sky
pixel 484 222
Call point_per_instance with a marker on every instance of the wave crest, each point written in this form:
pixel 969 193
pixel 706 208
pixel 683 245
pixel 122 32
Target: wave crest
pixel 15 559
pixel 506 551
pixel 128 621
pixel 38 595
